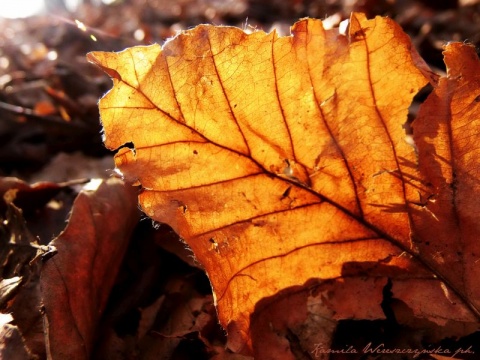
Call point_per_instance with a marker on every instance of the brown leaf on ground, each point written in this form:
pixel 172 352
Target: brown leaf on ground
pixel 283 161
pixel 76 283
pixel 28 197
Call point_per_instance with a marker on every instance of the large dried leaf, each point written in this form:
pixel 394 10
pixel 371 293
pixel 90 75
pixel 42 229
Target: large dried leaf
pixel 281 160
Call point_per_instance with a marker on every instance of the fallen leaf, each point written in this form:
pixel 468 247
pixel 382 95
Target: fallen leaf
pixel 75 283
pixel 282 161
pixel 28 197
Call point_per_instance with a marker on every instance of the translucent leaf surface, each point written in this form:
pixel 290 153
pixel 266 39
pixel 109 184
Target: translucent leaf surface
pixel 284 159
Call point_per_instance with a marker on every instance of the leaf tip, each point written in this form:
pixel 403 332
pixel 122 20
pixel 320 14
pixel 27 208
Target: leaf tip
pixel 99 58
pixel 458 57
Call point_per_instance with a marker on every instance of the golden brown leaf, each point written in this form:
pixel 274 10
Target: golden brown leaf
pixel 283 159
pixel 446 133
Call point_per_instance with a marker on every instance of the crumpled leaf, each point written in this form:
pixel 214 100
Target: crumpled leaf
pixel 76 282
pixel 283 160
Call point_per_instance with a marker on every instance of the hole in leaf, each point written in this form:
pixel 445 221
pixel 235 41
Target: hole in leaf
pixel 130 146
